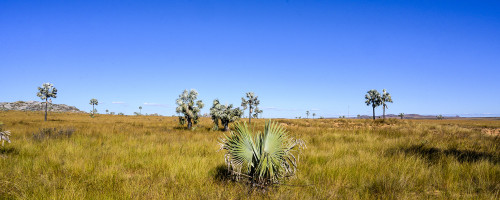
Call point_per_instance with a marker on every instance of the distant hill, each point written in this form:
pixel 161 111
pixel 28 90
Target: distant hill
pixel 407 116
pixel 37 106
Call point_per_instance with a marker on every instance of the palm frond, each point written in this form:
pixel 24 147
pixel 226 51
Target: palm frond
pixel 265 159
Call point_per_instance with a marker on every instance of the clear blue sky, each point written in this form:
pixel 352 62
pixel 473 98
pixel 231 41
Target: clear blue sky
pixel 434 57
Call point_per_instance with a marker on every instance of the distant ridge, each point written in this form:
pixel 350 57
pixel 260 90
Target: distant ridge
pixel 406 116
pixel 37 106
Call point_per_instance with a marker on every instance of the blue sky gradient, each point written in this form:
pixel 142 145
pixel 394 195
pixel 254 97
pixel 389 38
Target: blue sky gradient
pixel 434 57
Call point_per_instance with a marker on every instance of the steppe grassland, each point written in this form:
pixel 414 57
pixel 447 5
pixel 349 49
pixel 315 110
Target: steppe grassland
pixel 142 157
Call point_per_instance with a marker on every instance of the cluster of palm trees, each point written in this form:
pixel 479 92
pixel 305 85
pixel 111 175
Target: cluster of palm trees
pixel 374 99
pixel 189 109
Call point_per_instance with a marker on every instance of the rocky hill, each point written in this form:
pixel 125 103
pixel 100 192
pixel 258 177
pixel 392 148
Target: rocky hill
pixel 36 106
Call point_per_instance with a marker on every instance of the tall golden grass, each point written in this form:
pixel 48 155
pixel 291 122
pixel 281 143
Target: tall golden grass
pixel 146 157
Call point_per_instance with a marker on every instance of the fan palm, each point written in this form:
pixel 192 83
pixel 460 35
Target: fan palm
pixel 46 92
pixel 265 158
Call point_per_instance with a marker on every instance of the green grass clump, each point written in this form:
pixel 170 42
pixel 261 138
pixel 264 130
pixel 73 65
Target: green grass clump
pixel 151 157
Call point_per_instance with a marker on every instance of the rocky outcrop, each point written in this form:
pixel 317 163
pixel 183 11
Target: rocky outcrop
pixel 37 106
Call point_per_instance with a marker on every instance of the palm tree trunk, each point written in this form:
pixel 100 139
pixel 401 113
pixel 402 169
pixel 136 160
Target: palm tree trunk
pixel 46 102
pixel 249 114
pixel 373 112
pixel 384 111
pixel 93 110
pixel 190 124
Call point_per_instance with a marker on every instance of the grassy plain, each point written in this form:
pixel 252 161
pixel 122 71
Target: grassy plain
pixel 147 157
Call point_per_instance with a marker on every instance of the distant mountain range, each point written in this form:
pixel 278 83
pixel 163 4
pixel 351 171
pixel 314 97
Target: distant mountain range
pixel 37 106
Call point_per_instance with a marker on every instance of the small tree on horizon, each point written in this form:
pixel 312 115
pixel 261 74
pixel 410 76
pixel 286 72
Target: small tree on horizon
pixel 257 112
pixel 140 110
pixel 46 92
pixel 401 115
pixel 107 111
pixel 186 105
pixel 386 97
pixel 314 114
pixel 251 102
pixel 307 113
pixel 373 98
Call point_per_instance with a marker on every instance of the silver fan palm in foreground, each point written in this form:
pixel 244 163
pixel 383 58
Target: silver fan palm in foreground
pixel 263 159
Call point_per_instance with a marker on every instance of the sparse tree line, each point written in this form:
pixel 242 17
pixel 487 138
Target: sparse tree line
pixel 188 107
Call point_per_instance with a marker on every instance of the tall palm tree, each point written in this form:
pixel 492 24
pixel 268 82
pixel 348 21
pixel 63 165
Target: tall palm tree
pixel 93 102
pixel 251 102
pixel 140 110
pixel 265 158
pixel 46 92
pixel 307 113
pixel 373 98
pixel 386 97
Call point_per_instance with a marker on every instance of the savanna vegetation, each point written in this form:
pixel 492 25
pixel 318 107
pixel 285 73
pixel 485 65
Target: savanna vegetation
pixel 73 156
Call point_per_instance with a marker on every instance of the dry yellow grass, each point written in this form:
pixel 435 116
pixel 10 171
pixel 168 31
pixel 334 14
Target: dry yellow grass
pixel 146 157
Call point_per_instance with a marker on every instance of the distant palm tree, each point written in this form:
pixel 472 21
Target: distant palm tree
pixel 107 111
pixel 386 97
pixel 140 110
pixel 373 98
pixel 314 114
pixel 251 102
pixel 307 113
pixel 93 102
pixel 46 92
pixel 401 115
